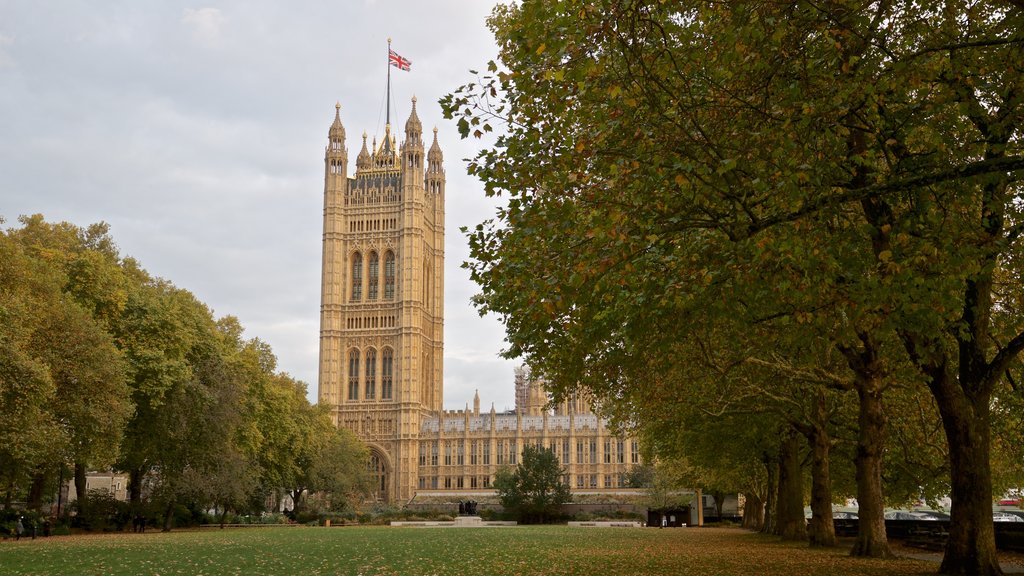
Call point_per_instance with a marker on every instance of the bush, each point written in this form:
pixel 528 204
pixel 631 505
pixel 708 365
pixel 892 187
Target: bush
pixel 101 513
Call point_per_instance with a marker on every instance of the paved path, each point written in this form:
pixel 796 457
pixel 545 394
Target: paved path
pixel 1008 567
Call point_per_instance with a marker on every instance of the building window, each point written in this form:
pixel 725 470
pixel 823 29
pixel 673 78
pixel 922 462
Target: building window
pixel 433 482
pixel 620 452
pixel 423 455
pixel 433 458
pixel 565 454
pixel 472 482
pixel 580 480
pixel 459 482
pixel 353 374
pixel 609 481
pixel 386 373
pixel 447 453
pixel 579 451
pixel 487 481
pixel 472 453
pixel 357 277
pixel 607 451
pixel 423 483
pixel 487 453
pixel 373 277
pixel 371 374
pixel 501 452
pixel 593 451
pixel 593 480
pixel 460 457
pixel 389 275
pixel 512 452
pixel 634 456
pixel 447 482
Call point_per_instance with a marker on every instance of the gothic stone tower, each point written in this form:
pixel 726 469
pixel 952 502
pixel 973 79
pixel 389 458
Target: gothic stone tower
pixel 382 296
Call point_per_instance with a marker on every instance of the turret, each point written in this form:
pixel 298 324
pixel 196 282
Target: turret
pixel 435 159
pixel 412 148
pixel 363 160
pixel 336 155
pixel 435 177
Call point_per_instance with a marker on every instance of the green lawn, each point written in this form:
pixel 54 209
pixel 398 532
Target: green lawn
pixel 384 550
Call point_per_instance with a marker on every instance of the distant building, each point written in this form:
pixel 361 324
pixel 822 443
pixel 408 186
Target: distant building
pixel 113 483
pixel 382 338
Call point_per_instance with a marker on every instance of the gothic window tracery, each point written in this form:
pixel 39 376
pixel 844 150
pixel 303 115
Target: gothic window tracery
pixel 371 374
pixel 373 277
pixel 357 277
pixel 386 373
pixel 389 275
pixel 353 374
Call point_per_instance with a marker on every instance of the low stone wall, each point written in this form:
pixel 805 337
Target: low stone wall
pixel 612 524
pixel 458 523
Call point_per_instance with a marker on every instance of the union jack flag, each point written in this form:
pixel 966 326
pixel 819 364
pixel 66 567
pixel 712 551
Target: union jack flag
pixel 398 62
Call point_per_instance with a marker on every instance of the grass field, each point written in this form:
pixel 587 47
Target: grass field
pixel 385 550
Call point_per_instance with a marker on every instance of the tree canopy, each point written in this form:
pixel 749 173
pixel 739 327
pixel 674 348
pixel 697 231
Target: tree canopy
pixel 837 177
pixel 104 367
pixel 533 490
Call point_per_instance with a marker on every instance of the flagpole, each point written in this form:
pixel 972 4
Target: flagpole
pixel 389 84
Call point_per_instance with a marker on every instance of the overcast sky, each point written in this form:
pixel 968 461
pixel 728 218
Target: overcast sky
pixel 197 131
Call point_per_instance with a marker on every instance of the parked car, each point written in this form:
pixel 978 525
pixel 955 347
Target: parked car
pixel 904 515
pixel 844 515
pixel 1006 517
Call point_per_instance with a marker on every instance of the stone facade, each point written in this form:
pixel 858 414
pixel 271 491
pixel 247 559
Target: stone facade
pixel 381 338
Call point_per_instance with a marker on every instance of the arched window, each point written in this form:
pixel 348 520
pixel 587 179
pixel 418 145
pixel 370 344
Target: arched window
pixel 387 367
pixel 357 277
pixel 389 275
pixel 378 471
pixel 353 374
pixel 428 282
pixel 373 277
pixel 371 374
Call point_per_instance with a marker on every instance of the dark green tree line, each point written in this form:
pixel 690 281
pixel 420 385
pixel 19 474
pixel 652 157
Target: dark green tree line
pixel 103 366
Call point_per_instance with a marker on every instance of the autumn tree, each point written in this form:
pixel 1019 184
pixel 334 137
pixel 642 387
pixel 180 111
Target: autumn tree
pixel 91 403
pixel 29 289
pixel 657 158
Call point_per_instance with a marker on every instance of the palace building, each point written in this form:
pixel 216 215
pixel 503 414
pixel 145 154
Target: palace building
pixel 382 338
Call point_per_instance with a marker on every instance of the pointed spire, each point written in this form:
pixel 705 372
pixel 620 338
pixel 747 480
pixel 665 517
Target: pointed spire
pixel 336 128
pixel 363 160
pixel 434 156
pixel 413 126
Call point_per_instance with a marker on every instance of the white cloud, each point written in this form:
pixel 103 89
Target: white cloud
pixel 205 23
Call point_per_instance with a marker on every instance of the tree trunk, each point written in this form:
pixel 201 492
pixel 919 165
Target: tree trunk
pixel 719 497
pixel 822 529
pixel 35 492
pixel 135 488
pixel 791 523
pixel 80 489
pixel 168 517
pixel 753 511
pixel 971 546
pixel 871 538
pixel 771 508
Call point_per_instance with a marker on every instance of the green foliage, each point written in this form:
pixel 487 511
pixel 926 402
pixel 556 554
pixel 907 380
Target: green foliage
pixel 784 182
pixel 101 364
pixel 533 490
